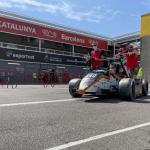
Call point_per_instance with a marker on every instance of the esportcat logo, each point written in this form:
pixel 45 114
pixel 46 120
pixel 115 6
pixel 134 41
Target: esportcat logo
pixel 9 53
pixel 19 55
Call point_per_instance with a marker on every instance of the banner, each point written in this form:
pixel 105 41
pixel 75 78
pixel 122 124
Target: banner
pixel 47 33
pixel 18 55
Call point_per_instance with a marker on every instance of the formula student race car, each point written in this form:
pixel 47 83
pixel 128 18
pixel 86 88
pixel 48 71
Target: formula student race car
pixel 102 82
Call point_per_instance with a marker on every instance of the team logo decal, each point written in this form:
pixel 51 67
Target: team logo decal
pixel 93 42
pixel 49 33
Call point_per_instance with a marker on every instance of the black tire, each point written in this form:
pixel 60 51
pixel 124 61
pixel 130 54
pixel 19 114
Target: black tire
pixel 144 87
pixel 127 89
pixel 73 87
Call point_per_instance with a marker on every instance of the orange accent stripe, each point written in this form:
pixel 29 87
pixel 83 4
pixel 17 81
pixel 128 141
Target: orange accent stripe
pixel 103 77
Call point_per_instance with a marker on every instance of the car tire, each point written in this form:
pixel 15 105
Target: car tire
pixel 144 87
pixel 127 89
pixel 73 87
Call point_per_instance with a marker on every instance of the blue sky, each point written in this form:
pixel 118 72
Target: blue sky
pixel 105 17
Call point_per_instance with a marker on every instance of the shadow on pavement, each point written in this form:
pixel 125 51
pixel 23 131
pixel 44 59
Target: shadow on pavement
pixel 142 99
pixel 103 99
pixel 115 99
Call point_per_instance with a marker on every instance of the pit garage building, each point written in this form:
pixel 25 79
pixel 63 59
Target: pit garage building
pixel 28 45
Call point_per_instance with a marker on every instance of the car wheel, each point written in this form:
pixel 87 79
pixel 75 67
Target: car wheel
pixel 127 89
pixel 73 87
pixel 144 87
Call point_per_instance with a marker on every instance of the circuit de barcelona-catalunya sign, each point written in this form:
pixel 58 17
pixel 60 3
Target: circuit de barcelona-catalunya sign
pixel 28 29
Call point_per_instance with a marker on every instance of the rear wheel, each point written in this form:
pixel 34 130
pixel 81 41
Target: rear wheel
pixel 127 89
pixel 73 87
pixel 144 87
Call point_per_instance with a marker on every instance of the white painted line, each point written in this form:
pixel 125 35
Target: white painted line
pixel 57 88
pixel 38 102
pixel 64 146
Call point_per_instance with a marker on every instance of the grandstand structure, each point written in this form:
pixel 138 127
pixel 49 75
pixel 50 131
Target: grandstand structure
pixel 130 39
pixel 28 45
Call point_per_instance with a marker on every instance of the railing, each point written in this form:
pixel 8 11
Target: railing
pixel 45 50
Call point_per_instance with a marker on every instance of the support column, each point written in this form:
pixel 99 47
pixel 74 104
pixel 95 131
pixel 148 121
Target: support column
pixel 145 45
pixel 73 50
pixel 40 51
pixel 114 49
pixel 40 43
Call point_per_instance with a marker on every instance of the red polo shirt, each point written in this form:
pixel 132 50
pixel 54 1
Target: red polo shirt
pixel 96 54
pixel 132 60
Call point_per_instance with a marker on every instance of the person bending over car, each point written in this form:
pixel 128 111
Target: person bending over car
pixel 115 70
pixel 129 58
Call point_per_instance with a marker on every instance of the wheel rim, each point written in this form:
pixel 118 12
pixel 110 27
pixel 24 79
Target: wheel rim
pixel 133 91
pixel 146 88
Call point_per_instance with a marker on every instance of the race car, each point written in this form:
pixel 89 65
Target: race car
pixel 102 82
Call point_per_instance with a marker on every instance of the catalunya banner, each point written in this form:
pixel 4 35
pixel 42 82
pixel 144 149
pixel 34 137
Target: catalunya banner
pixel 47 33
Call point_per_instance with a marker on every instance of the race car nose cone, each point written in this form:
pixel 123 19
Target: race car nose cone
pixel 81 92
pixel 84 84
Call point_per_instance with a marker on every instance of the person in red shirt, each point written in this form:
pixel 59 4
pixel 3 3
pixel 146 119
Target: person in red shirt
pixel 131 60
pixel 66 76
pixel 96 58
pixel 123 56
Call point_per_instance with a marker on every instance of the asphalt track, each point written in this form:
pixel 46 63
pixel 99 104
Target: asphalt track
pixel 37 118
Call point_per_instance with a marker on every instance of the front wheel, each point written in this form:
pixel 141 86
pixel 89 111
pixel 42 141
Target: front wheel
pixel 73 87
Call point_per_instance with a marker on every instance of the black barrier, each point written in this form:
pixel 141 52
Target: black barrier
pixel 30 56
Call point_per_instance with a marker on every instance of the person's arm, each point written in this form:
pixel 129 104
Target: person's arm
pixel 102 57
pixel 117 55
pixel 88 58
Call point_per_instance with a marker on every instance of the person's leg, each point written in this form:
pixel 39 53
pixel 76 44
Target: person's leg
pixel 7 84
pixel 14 84
pixel 1 83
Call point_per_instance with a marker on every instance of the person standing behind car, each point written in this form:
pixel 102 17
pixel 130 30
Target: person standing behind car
pixel 88 57
pixel 132 60
pixel 140 72
pixel 11 80
pixel 8 79
pixel 1 82
pixel 122 56
pixel 96 57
